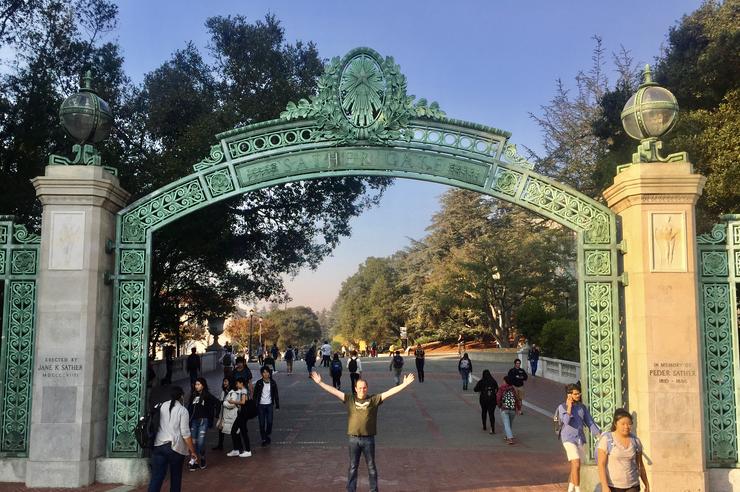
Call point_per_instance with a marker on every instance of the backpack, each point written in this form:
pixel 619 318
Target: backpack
pixel 397 361
pixel 610 443
pixel 226 360
pixel 146 429
pixel 336 366
pixel 508 400
pixel 557 423
pixel 352 366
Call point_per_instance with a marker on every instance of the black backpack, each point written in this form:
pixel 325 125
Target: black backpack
pixel 397 361
pixel 146 429
pixel 352 366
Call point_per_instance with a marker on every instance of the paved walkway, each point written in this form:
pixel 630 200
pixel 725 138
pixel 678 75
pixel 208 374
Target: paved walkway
pixel 429 439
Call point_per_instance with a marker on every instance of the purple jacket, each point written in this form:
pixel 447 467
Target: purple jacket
pixel 574 423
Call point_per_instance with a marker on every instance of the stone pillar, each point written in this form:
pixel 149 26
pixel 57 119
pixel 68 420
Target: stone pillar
pixel 656 204
pixel 73 332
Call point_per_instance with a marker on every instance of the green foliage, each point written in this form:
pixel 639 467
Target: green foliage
pixel 559 339
pixel 297 326
pixel 368 306
pixel 530 317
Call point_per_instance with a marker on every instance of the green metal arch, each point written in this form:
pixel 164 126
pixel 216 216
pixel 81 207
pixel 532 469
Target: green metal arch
pixel 395 138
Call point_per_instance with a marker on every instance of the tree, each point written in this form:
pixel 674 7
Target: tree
pixel 530 317
pixel 295 326
pixel 559 339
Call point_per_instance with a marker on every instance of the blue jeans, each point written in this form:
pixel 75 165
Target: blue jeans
pixel 533 365
pixel 198 428
pixel 362 445
pixel 507 416
pixel 264 413
pixel 164 457
pixel 464 373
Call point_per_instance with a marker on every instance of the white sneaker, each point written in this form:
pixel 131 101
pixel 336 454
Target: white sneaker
pixel 235 452
pixel 245 454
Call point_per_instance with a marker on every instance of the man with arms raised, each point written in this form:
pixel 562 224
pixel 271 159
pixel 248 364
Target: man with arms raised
pixel 362 416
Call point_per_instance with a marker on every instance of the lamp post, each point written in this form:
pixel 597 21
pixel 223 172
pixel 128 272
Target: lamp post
pixel 259 324
pixel 251 315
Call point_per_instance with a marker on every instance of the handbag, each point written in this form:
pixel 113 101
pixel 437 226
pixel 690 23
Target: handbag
pixel 249 409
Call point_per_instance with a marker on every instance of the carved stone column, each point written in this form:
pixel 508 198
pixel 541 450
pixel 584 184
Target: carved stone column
pixel 656 204
pixel 73 334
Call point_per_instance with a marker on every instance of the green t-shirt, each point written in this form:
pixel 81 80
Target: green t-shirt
pixel 362 415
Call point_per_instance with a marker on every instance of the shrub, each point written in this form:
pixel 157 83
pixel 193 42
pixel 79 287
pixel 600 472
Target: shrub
pixel 559 339
pixel 530 318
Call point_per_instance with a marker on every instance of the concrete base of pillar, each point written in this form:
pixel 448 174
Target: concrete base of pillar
pixel 724 479
pixel 59 473
pixel 128 471
pixel 13 469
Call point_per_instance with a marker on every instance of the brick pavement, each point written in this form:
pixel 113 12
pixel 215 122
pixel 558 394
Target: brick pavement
pixel 429 440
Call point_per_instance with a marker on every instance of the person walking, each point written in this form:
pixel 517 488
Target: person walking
pixel 275 352
pixel 362 417
pixel 193 366
pixel 289 356
pixel 226 387
pixel 517 375
pixel 325 354
pixel 269 361
pixel 488 389
pixel 172 443
pixel 239 431
pixel 311 358
pixel 266 397
pixel 419 359
pixel 574 416
pixel 620 457
pixel 242 370
pixel 335 369
pixel 396 366
pixel 508 403
pixel 227 360
pixel 465 368
pixel 534 357
pixel 201 407
pixel 354 366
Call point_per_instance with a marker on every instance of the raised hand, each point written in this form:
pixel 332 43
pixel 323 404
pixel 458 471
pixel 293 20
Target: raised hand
pixel 408 378
pixel 316 377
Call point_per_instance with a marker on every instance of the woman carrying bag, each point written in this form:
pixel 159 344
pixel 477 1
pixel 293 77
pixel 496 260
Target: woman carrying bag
pixel 620 457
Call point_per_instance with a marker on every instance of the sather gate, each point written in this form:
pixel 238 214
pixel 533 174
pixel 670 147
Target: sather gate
pixel 363 123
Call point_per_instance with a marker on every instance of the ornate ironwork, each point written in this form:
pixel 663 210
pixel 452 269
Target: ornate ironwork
pixel 18 268
pixel 719 329
pixel 362 122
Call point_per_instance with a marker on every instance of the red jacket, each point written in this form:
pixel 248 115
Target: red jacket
pixel 502 389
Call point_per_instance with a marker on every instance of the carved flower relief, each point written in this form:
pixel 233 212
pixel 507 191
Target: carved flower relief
pixel 23 262
pixel 362 90
pixel 132 261
pixel 598 263
pixel 220 182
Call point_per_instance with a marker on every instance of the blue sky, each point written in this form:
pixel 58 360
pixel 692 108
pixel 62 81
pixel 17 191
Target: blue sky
pixel 490 62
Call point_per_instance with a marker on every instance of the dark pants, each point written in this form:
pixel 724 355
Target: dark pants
pixel 264 413
pixel 636 488
pixel 336 380
pixel 309 366
pixel 533 365
pixel 488 408
pixel 353 377
pixel 325 360
pixel 164 457
pixel 420 369
pixel 193 377
pixel 240 440
pixel 362 445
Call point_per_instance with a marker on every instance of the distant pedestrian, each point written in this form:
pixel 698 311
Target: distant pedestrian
pixel 574 416
pixel 396 366
pixel 620 457
pixel 508 403
pixel 362 416
pixel 289 356
pixel 261 355
pixel 311 358
pixel 169 361
pixel 202 407
pixel 335 369
pixel 275 352
pixel 488 388
pixel 172 443
pixel 239 431
pixel 354 366
pixel 534 357
pixel 227 361
pixel 266 397
pixel 325 354
pixel 419 358
pixel 193 366
pixel 243 371
pixel 226 387
pixel 269 362
pixel 517 375
pixel 465 368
